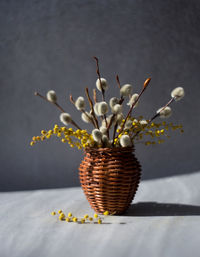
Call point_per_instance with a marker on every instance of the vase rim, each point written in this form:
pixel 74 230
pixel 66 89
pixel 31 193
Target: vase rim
pixel 109 149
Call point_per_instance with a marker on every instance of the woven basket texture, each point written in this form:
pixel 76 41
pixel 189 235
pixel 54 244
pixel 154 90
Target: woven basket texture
pixel 109 178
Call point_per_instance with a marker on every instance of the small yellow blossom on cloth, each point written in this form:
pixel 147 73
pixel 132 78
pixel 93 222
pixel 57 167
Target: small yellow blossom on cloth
pixel 106 213
pixel 99 221
pixel 75 219
pixel 96 216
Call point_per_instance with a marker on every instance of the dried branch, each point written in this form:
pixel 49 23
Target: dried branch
pixel 156 115
pixel 120 102
pixel 95 95
pixel 118 82
pixel 102 89
pixel 146 83
pixel 58 106
pixel 114 132
pixel 92 108
pixel 75 125
pixel 55 103
pixel 99 76
pixel 83 111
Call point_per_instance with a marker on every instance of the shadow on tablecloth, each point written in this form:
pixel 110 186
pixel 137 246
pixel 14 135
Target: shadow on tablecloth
pixel 162 209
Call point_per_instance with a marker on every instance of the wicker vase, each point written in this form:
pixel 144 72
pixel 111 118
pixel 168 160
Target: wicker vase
pixel 109 178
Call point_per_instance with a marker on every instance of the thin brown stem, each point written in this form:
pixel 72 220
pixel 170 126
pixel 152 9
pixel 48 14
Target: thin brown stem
pixel 91 119
pixel 106 122
pixel 113 116
pixel 95 95
pixel 58 106
pixel 75 125
pixel 114 132
pixel 83 111
pixel 92 108
pixel 146 83
pixel 120 102
pixel 118 82
pixel 99 76
pixel 55 103
pixel 102 89
pixel 156 115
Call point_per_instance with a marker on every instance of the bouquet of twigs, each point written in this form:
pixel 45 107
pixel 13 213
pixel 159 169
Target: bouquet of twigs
pixel 111 126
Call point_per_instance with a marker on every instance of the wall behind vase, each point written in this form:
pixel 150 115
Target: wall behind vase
pixel 49 44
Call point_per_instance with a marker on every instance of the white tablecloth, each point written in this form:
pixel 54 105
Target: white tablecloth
pixel 163 221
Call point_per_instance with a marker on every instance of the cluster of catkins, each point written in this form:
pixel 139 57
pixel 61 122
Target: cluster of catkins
pixel 107 117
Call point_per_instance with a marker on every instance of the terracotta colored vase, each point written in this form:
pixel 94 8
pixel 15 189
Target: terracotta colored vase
pixel 109 178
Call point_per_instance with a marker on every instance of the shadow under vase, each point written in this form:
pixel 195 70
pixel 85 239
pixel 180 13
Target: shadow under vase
pixel 162 209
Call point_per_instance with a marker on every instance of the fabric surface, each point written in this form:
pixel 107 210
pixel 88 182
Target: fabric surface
pixel 163 221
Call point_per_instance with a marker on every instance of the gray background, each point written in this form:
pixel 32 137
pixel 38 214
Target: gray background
pixel 48 44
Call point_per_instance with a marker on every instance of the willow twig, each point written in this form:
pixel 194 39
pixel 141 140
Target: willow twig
pixel 114 132
pixel 146 83
pixel 113 116
pixel 92 108
pixel 58 106
pixel 75 125
pixel 95 95
pixel 82 110
pixel 156 115
pixel 102 89
pixel 99 76
pixel 118 82
pixel 55 103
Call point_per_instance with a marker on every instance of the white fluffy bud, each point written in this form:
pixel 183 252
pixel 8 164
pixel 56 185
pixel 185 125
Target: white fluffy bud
pixel 105 140
pixel 165 113
pixel 65 118
pixel 143 122
pixel 103 129
pixel 126 90
pixel 80 103
pixel 117 108
pixel 96 105
pixel 97 135
pixel 178 93
pixel 86 117
pixel 113 101
pixel 128 124
pixel 103 83
pixel 102 108
pixel 132 100
pixel 51 96
pixel 125 141
pixel 119 118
